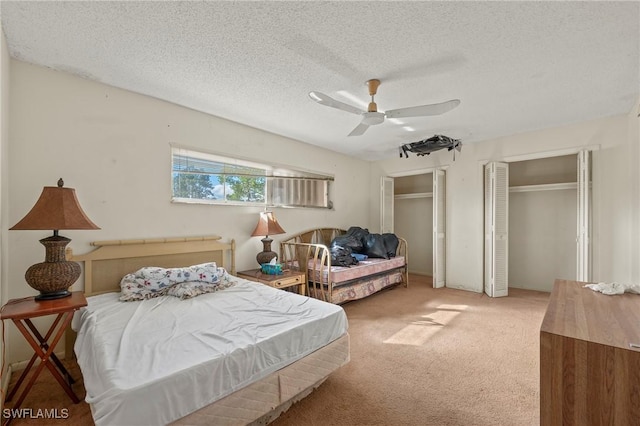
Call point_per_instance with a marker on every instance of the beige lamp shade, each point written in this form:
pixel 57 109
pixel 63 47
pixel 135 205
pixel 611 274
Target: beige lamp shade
pixel 57 208
pixel 267 225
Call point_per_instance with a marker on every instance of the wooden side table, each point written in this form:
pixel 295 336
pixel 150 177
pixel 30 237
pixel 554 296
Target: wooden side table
pixel 288 278
pixel 21 311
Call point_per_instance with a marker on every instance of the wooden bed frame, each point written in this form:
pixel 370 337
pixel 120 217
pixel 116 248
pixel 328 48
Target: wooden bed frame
pixel 105 266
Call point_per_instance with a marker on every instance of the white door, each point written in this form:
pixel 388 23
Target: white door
pixel 496 228
pixel 386 205
pixel 439 228
pixel 582 239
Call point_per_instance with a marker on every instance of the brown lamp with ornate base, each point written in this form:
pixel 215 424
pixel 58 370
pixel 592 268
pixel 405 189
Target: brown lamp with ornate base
pixel 57 208
pixel 267 225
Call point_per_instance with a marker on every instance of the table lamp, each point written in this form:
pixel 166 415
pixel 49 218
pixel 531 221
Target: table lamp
pixel 267 225
pixel 57 208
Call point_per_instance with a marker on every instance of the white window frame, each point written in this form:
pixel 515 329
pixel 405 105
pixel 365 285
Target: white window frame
pixel 284 186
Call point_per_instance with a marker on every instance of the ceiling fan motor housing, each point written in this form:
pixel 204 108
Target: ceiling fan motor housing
pixel 372 118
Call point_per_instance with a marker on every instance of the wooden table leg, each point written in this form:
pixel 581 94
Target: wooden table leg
pixel 21 378
pixel 44 345
pixel 45 357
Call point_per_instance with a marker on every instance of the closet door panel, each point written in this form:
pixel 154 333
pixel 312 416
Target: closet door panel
pixel 496 229
pixel 584 206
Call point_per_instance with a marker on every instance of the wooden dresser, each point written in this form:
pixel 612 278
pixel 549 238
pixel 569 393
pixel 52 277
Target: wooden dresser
pixel 589 370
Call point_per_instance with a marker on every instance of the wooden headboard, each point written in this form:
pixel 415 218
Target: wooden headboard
pixel 105 266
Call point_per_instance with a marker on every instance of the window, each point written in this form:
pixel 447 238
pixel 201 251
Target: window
pixel 199 177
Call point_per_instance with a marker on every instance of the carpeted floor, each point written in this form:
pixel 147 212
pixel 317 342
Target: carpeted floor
pixel 419 356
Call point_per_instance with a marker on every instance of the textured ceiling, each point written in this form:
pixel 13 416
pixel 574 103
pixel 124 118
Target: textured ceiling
pixel 516 66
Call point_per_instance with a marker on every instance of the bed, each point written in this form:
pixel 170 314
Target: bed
pixel 309 251
pixel 240 355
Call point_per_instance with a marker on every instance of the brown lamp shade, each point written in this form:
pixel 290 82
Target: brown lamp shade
pixel 57 208
pixel 267 225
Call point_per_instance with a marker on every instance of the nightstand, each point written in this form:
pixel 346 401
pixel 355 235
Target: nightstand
pixel 21 311
pixel 287 279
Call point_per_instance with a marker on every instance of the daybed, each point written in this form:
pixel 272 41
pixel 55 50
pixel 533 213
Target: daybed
pixel 240 355
pixel 309 251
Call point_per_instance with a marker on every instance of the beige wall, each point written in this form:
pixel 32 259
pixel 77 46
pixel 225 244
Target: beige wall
pixel 634 165
pixel 616 239
pixel 413 221
pixel 112 146
pixel 4 142
pixel 542 231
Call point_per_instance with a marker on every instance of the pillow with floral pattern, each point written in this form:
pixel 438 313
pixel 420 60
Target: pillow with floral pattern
pixel 190 281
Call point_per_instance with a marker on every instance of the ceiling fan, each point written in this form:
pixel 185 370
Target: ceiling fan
pixel 372 116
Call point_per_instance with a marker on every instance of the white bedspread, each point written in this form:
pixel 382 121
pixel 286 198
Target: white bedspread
pixel 154 361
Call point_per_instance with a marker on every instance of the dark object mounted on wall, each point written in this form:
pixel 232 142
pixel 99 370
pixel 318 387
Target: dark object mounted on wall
pixel 434 143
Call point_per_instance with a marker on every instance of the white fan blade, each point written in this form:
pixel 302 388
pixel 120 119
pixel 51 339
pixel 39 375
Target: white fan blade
pixel 459 147
pixel 360 129
pixel 323 99
pixel 423 110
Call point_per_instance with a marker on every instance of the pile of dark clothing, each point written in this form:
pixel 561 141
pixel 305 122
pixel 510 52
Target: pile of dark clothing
pixel 358 244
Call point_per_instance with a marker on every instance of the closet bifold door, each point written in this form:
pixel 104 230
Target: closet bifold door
pixel 584 205
pixel 439 228
pixel 496 229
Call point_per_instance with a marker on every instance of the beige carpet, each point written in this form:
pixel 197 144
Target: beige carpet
pixel 419 356
pixel 424 356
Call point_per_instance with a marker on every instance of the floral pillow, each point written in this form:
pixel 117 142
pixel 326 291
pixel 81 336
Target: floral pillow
pixel 184 283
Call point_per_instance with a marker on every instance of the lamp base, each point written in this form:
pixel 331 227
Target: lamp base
pixel 56 274
pixel 266 255
pixel 53 295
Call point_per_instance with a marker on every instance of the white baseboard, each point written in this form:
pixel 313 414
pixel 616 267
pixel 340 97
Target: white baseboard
pixel 423 273
pixel 6 378
pixel 15 367
pixel 21 365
